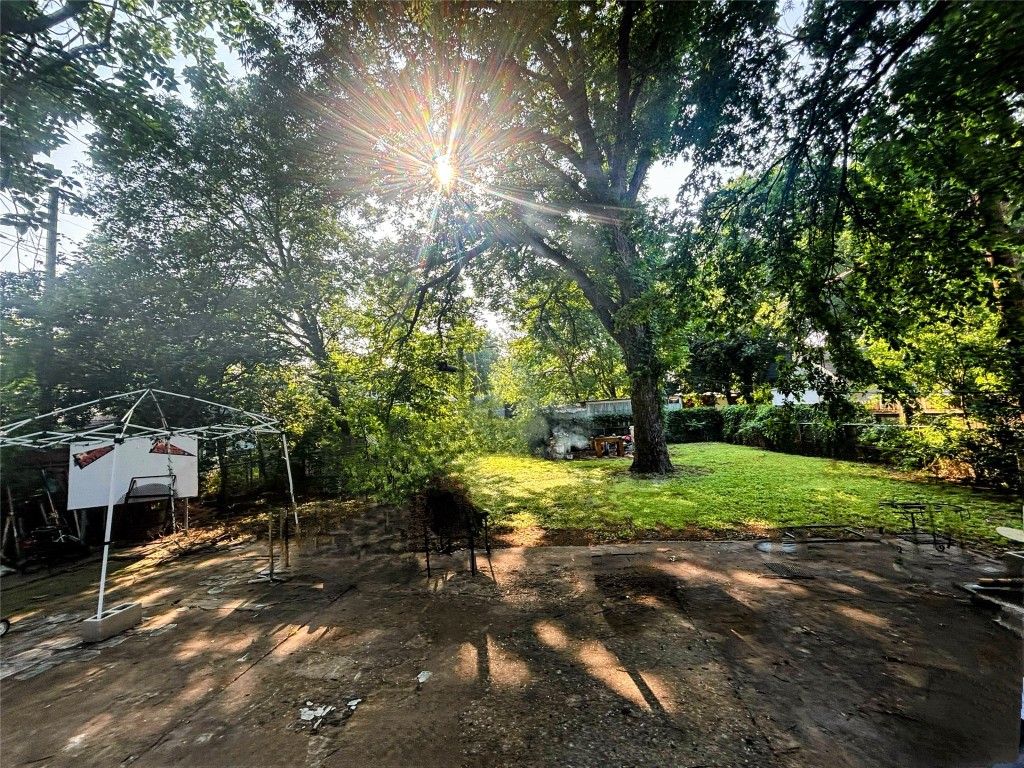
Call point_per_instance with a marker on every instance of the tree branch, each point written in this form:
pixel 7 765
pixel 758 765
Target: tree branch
pixel 574 96
pixel 12 25
pixel 623 113
pixel 602 305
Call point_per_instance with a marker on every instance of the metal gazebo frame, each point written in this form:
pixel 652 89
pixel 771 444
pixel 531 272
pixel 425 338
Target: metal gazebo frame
pixel 118 430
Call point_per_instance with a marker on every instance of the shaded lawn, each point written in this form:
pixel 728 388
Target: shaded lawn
pixel 720 488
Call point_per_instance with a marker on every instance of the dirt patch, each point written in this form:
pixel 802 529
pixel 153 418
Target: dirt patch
pixel 533 536
pixel 636 597
pixel 536 536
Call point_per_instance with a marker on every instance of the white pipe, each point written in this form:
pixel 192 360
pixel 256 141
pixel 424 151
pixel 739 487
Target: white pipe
pixel 106 535
pixel 291 486
pixel 14 425
pixel 259 417
pixel 110 505
pixel 47 438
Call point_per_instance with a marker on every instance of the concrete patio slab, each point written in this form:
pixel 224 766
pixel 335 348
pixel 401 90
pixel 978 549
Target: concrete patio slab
pixel 662 653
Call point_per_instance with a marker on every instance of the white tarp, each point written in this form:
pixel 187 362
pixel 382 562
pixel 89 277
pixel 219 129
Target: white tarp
pixel 158 466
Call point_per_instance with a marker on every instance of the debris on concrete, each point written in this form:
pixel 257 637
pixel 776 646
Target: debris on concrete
pixel 422 677
pixel 314 711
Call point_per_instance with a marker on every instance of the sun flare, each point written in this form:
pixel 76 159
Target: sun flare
pixel 444 172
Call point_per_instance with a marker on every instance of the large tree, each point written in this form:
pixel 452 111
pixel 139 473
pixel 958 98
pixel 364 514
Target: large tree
pixel 551 115
pixel 232 188
pixel 64 63
pixel 899 200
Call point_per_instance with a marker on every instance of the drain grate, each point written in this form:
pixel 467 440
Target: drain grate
pixel 783 571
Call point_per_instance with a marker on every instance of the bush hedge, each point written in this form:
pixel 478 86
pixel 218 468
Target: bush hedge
pixel 693 425
pixel 945 446
pixel 807 429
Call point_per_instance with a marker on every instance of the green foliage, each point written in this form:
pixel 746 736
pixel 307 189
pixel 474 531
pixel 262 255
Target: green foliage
pixel 226 266
pixel 818 429
pixel 410 418
pixel 493 433
pixel 948 447
pixel 694 425
pixel 958 360
pixel 730 363
pixel 896 212
pixel 561 353
pixel 85 60
pixel 733 418
pixel 568 105
pixel 912 448
pixel 767 426
pixel 900 207
pixel 994 452
pixel 21 333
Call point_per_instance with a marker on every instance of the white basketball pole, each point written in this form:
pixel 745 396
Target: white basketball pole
pixel 291 495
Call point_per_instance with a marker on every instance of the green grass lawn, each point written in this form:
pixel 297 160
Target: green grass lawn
pixel 721 489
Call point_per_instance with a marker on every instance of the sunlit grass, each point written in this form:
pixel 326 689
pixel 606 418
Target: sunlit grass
pixel 722 489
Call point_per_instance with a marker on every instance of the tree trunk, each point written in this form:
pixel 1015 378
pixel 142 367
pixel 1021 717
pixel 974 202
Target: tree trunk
pixel 651 450
pixel 222 464
pixel 261 460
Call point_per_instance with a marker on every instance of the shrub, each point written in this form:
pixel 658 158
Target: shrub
pixel 949 448
pixel 998 450
pixel 607 423
pixel 903 447
pixel 992 458
pixel 768 426
pixel 733 417
pixel 693 425
pixel 946 446
pixel 492 433
pixel 823 429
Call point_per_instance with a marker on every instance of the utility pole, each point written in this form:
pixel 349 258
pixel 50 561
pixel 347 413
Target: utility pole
pixel 44 361
pixel 51 241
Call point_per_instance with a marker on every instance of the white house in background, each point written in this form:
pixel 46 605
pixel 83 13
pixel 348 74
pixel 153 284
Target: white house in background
pixel 620 406
pixel 807 397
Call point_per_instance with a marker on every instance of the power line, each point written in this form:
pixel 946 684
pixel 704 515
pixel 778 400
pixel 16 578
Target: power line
pixel 80 225
pixel 9 250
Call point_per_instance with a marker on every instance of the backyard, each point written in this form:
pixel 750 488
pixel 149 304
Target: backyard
pixel 296 294
pixel 719 491
pixel 692 653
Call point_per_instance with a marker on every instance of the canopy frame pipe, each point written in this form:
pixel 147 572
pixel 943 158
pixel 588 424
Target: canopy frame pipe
pixel 121 429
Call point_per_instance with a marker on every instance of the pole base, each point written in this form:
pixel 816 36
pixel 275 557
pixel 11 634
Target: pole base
pixel 114 621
